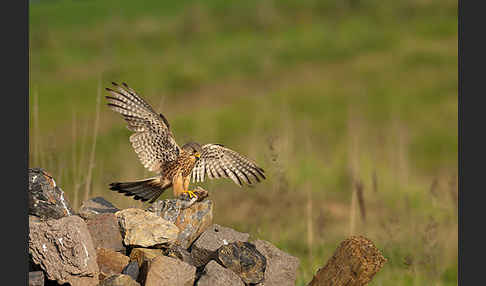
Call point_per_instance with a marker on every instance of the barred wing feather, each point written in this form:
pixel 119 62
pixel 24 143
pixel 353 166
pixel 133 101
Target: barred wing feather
pixel 217 161
pixel 152 139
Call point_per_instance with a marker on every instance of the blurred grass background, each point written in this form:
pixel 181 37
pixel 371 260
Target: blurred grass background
pixel 350 106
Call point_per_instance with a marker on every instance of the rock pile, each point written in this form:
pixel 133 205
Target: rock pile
pixel 167 244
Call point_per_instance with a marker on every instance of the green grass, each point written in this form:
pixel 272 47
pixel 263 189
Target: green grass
pixel 320 93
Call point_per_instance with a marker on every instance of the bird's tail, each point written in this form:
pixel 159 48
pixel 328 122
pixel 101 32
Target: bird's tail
pixel 144 190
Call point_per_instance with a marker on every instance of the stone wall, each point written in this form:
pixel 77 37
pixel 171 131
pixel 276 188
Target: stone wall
pixel 170 243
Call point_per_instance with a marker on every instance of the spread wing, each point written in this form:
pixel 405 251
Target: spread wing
pixel 152 139
pixel 217 161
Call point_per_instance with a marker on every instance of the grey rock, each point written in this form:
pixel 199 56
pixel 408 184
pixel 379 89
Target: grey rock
pixel 164 270
pixel 205 247
pixel 243 259
pixel 144 228
pixel 64 250
pixel 132 270
pixel 281 267
pixel 46 199
pixel 36 278
pixel 216 275
pixel 191 221
pixel 105 231
pixel 97 205
pixel 119 280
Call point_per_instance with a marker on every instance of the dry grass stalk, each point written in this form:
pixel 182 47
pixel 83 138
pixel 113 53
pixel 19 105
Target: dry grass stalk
pixel 434 187
pixel 36 157
pixel 352 215
pixel 78 176
pixel 73 142
pixel 60 170
pixel 359 192
pixel 403 161
pixel 93 146
pixel 375 182
pixel 310 229
pixel 353 157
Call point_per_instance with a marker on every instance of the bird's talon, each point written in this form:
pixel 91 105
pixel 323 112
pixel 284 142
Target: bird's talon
pixel 191 194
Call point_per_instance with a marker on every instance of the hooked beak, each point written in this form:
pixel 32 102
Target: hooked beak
pixel 197 155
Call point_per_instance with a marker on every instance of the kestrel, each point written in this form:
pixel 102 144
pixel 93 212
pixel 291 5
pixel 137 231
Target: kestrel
pixel 158 151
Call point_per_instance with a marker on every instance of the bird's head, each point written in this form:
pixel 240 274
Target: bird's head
pixel 193 149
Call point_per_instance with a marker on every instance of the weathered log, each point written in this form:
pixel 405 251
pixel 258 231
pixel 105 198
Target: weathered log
pixel 354 263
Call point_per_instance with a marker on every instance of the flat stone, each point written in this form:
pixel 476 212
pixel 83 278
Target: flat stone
pixel 46 199
pixel 36 278
pixel 64 250
pixel 119 280
pixel 95 206
pixel 281 268
pixel 132 270
pixel 216 275
pixel 164 270
pixel 110 262
pixel 205 247
pixel 243 259
pixel 191 221
pixel 144 228
pixel 105 231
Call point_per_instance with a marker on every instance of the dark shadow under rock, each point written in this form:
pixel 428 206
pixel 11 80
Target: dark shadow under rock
pixel 144 257
pixel 132 270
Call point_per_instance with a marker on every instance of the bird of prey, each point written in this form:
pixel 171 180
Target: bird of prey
pixel 158 151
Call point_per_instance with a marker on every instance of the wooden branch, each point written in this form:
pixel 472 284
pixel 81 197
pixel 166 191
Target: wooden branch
pixel 354 263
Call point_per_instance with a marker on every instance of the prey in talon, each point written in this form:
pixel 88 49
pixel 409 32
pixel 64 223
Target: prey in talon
pixel 175 166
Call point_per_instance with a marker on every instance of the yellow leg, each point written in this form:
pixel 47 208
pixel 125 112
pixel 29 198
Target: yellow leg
pixel 178 185
pixel 186 182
